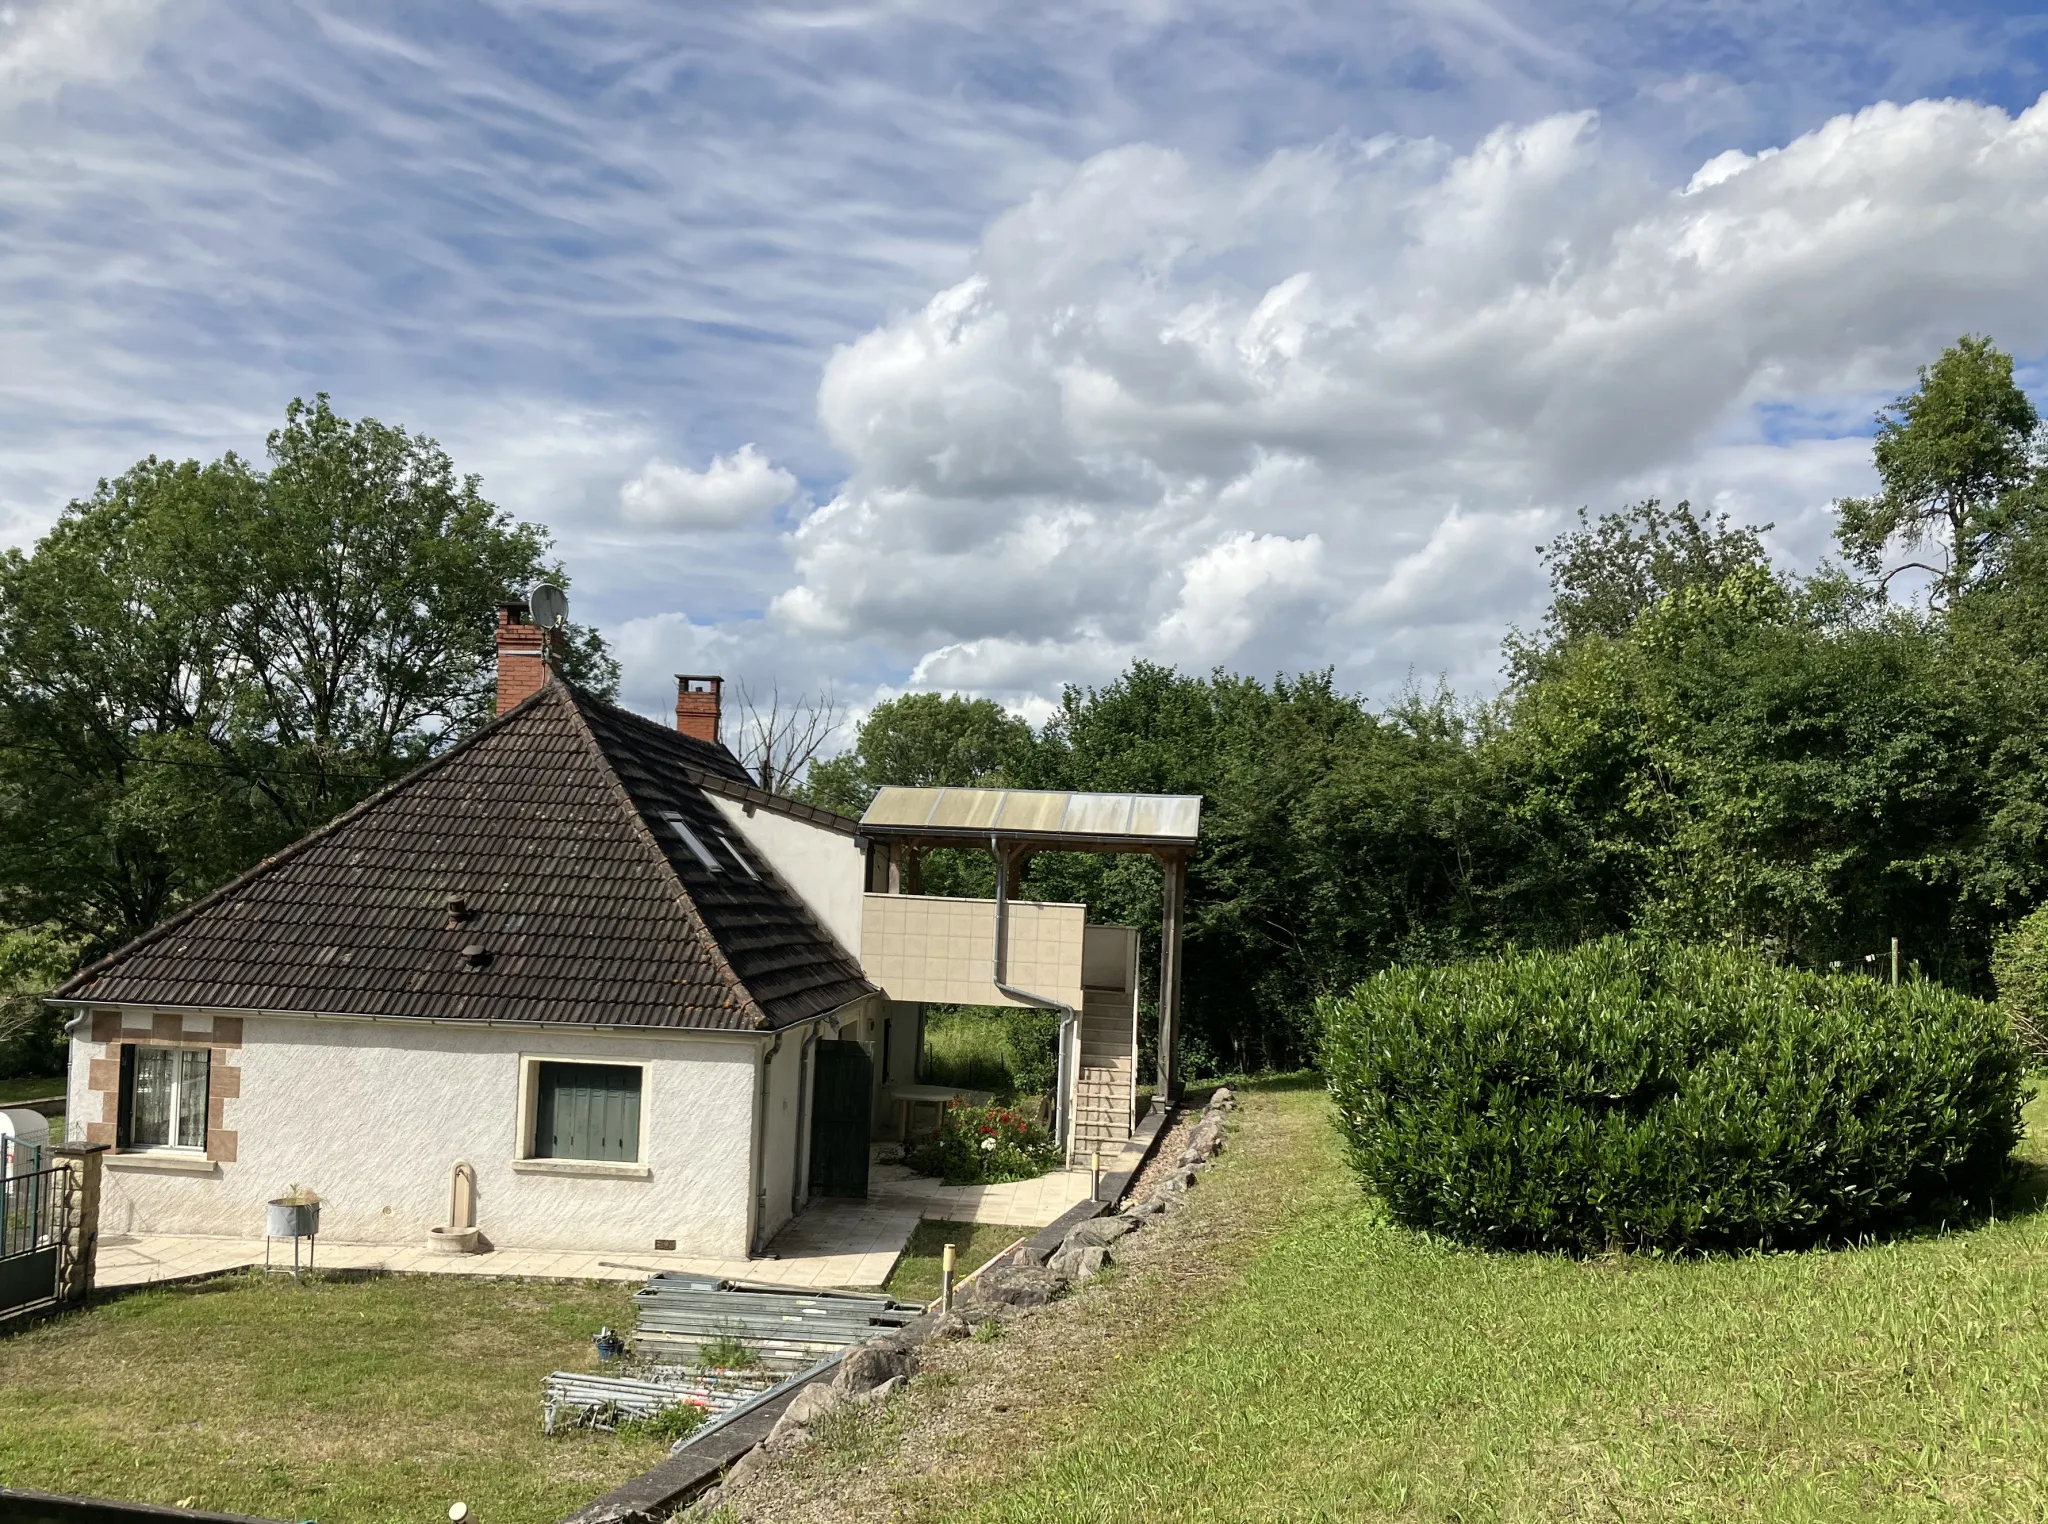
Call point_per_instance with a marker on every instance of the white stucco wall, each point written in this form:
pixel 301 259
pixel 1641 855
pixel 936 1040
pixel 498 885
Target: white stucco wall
pixel 373 1115
pixel 826 868
pixel 779 1136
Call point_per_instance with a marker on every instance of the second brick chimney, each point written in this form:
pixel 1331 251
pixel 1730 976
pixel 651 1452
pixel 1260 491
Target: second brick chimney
pixel 526 654
pixel 697 705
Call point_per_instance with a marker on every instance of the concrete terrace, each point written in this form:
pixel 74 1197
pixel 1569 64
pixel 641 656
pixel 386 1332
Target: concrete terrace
pixel 844 1244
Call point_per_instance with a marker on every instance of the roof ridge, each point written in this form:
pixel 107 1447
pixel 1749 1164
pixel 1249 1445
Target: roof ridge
pixel 637 824
pixel 656 728
pixel 318 834
pixel 780 804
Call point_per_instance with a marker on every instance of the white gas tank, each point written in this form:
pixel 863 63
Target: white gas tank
pixel 24 1140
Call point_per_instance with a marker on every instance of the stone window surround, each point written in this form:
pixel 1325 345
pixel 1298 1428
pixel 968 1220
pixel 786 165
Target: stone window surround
pixel 221 1034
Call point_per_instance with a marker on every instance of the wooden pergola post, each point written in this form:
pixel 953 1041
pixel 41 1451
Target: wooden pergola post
pixel 1174 871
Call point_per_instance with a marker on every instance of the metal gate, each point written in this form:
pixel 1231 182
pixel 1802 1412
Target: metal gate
pixel 33 1205
pixel 842 1116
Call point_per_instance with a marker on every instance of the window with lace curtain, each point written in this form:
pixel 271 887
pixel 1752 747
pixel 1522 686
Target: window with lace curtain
pixel 163 1097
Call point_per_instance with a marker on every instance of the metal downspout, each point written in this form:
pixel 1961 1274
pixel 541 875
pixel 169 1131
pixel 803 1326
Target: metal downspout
pixel 760 1232
pixel 1068 1018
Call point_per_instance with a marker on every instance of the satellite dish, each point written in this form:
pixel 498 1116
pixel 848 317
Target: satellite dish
pixel 550 606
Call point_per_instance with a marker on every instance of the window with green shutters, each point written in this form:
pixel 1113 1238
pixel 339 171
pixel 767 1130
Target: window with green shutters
pixel 587 1111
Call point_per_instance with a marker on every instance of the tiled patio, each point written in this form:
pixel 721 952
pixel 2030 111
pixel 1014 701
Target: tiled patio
pixel 126 1260
pixel 834 1243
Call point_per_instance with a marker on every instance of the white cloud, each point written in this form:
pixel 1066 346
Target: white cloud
pixel 736 491
pixel 46 46
pixel 1321 408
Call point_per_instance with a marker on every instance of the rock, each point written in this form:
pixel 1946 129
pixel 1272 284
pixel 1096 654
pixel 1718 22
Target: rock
pixel 875 1394
pixel 1078 1264
pixel 917 1330
pixel 1027 1255
pixel 1139 1211
pixel 1205 1142
pixel 1223 1100
pixel 952 1326
pixel 1017 1288
pixel 1098 1232
pixel 868 1365
pixel 806 1408
pixel 873 1363
pixel 745 1466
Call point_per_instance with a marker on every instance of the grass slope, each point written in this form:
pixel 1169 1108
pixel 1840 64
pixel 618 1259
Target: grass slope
pixel 1359 1369
pixel 30 1087
pixel 347 1402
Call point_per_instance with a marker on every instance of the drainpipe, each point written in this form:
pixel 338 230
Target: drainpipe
pixel 761 1152
pixel 1061 1078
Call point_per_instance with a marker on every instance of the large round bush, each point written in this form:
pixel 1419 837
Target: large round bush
pixel 1674 1098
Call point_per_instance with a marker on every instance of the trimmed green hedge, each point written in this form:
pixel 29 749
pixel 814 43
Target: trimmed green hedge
pixel 2020 966
pixel 1625 1095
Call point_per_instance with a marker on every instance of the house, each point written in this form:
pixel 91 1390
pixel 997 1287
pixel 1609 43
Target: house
pixel 582 961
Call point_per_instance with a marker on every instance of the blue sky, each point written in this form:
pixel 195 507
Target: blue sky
pixel 987 346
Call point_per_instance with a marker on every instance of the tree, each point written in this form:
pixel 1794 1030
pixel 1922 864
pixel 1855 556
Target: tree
pixel 200 663
pixel 1953 459
pixel 924 740
pixel 1605 574
pixel 778 741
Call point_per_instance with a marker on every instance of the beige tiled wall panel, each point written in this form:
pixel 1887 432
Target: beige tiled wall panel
pixel 922 947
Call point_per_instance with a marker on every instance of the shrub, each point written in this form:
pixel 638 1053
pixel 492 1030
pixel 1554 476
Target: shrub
pixel 1678 1098
pixel 981 1145
pixel 2019 964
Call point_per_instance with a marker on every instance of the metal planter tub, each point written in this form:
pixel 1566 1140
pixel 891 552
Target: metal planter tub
pixel 293 1219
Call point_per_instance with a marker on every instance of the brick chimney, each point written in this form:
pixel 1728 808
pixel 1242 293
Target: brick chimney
pixel 697 706
pixel 526 655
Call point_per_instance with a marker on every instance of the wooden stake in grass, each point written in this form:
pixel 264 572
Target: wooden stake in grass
pixel 1895 960
pixel 946 1281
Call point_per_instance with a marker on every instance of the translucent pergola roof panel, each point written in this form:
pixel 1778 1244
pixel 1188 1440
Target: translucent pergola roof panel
pixel 1022 814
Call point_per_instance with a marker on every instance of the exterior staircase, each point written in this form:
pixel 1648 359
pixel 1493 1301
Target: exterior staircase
pixel 1106 1093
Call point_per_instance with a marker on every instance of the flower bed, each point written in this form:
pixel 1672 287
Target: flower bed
pixel 983 1145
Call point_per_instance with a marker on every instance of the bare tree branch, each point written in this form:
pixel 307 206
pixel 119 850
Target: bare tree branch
pixel 777 740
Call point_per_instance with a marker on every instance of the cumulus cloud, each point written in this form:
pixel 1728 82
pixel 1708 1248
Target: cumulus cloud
pixel 734 492
pixel 1321 408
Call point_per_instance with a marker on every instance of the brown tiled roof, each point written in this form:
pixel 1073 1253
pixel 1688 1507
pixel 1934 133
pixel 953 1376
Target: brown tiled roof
pixel 550 826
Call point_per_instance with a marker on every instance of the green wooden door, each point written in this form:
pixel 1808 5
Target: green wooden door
pixel 842 1106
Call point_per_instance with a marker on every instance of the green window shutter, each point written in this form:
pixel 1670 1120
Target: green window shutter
pixel 124 1124
pixel 588 1111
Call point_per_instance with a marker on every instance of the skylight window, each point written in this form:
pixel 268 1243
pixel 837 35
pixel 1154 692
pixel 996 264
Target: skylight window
pixel 739 857
pixel 702 853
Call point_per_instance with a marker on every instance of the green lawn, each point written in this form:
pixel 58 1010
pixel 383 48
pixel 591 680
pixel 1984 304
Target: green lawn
pixel 1358 1370
pixel 385 1399
pixel 917 1274
pixel 32 1088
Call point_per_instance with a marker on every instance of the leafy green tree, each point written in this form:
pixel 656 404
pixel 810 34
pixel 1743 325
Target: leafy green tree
pixel 1954 459
pixel 200 663
pixel 32 963
pixel 1608 572
pixel 923 740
